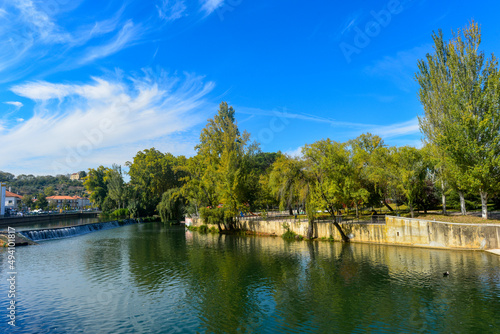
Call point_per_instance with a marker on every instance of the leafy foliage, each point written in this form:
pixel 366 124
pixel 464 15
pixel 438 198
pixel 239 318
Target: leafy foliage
pixel 460 93
pixel 171 206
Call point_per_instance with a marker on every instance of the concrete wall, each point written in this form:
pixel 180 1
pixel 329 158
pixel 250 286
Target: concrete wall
pixel 16 221
pixel 396 231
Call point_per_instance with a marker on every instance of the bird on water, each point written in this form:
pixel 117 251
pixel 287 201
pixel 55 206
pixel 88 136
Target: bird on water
pixel 447 273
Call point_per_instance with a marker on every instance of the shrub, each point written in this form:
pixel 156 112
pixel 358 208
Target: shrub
pixel 120 213
pixel 289 235
pixel 203 229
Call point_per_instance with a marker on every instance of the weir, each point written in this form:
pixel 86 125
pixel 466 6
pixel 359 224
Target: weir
pixel 71 231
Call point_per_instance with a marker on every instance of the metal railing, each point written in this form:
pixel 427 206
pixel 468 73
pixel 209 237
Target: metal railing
pixel 285 218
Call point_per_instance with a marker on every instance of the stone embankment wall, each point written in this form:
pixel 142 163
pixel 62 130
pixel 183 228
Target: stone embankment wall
pixel 395 231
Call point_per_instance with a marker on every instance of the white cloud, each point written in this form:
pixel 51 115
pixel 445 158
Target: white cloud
pixel 30 31
pixel 300 116
pixel 171 10
pixel 74 126
pixel 42 90
pixel 128 34
pixel 297 153
pixel 16 104
pixel 208 6
pixel 410 127
pixel 400 68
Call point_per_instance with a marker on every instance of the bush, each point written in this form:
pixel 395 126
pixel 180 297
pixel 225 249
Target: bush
pixel 203 229
pixel 120 213
pixel 288 235
pixel 150 219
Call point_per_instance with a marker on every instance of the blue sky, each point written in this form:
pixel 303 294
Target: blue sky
pixel 85 83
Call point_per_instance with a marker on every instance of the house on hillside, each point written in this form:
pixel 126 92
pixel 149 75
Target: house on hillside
pixel 73 202
pixel 75 176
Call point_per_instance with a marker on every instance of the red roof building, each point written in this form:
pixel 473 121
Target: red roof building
pixel 12 200
pixel 74 202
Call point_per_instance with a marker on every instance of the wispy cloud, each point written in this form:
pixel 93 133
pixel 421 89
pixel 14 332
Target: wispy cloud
pixel 170 10
pixel 209 6
pixel 16 104
pixel 410 127
pixel 299 116
pixel 41 23
pixel 124 38
pixel 400 68
pixel 74 125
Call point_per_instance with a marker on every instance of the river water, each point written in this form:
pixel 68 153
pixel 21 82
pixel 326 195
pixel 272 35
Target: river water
pixel 151 278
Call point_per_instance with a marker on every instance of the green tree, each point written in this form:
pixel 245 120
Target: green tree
pixel 27 201
pixel 96 185
pixel 41 201
pixel 221 153
pixel 49 191
pixel 151 174
pixel 409 171
pixel 460 93
pixel 286 182
pixel 172 206
pixel 117 190
pixel 331 170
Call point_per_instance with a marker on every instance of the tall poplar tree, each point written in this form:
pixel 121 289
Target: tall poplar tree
pixel 460 93
pixel 221 151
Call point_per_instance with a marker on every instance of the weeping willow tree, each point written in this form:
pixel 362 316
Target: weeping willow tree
pixel 172 206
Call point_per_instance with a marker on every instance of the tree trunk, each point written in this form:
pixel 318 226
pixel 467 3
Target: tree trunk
pixel 290 210
pixel 310 230
pixel 484 204
pixel 357 212
pixel 411 210
pixel 345 238
pixel 462 203
pixel 388 206
pixel 443 198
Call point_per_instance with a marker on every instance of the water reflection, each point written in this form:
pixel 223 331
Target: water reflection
pixel 154 278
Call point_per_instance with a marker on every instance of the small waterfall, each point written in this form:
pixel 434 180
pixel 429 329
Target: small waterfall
pixel 71 231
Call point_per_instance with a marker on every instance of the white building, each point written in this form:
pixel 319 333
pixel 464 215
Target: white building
pixel 73 202
pixel 3 187
pixel 12 201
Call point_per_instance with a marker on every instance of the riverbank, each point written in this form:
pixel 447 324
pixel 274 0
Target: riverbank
pixel 20 240
pixel 394 231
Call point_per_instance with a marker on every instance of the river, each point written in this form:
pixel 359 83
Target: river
pixel 151 278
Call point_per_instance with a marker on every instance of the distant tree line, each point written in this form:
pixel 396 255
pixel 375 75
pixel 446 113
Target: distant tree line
pixel 34 187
